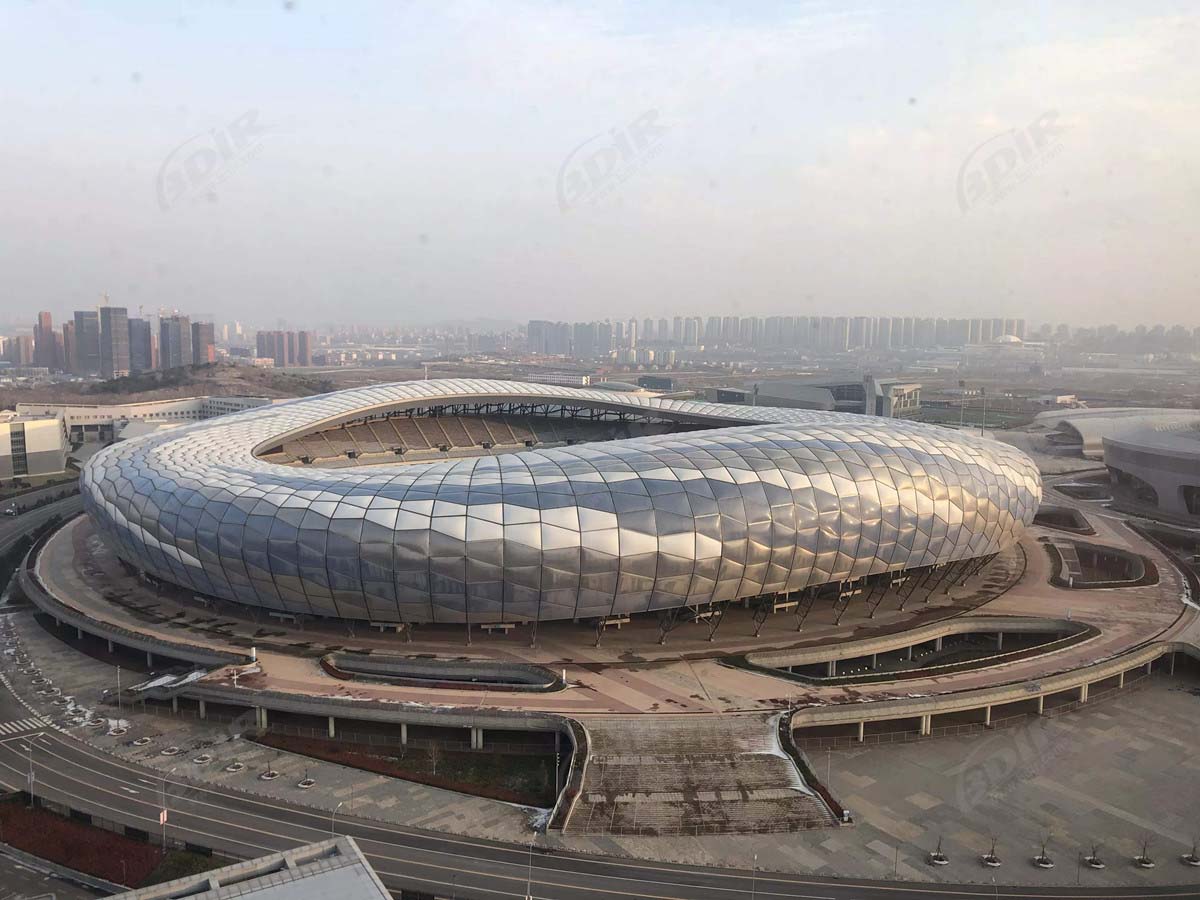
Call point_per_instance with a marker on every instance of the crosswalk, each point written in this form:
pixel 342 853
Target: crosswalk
pixel 19 726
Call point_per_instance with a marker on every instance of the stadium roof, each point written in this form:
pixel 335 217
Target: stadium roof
pixel 783 499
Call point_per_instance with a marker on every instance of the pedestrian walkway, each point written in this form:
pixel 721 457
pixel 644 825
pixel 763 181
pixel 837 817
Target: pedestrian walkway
pixel 20 726
pixel 691 775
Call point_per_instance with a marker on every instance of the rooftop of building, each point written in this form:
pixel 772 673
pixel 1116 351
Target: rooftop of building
pixel 331 868
pixel 12 417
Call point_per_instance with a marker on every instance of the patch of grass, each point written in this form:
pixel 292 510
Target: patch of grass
pixel 182 863
pixel 514 778
pixel 83 847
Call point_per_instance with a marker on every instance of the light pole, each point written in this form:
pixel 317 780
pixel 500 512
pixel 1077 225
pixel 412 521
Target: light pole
pixel 29 747
pixel 118 696
pixel 754 878
pixel 163 816
pixel 331 815
pixel 529 875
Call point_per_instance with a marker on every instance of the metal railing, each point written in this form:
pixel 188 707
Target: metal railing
pixel 846 742
pixel 344 736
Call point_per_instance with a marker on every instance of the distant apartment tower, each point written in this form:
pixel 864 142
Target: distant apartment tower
pixel 114 341
pixel 68 346
pixel 141 347
pixel 45 347
pixel 174 342
pixel 204 344
pixel 273 345
pixel 549 338
pixel 18 350
pixel 87 343
pixel 304 342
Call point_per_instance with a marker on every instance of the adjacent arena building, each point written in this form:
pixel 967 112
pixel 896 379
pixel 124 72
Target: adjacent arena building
pixel 1156 472
pixel 487 501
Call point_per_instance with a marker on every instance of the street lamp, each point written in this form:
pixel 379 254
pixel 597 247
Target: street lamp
pixel 754 878
pixel 331 815
pixel 529 875
pixel 29 747
pixel 163 815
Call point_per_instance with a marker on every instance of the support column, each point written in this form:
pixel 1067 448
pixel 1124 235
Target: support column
pixel 1150 667
pixel 78 633
pixel 909 655
pixel 332 727
pixel 403 734
pixel 110 645
pixel 999 640
pixel 1041 704
pixel 831 668
pixel 1171 663
pixel 203 710
pixel 1121 680
pixel 874 660
pixel 937 643
pixel 862 731
pixel 262 717
pixel 149 660
pixel 987 716
pixel 476 738
pixel 175 705
pixel 1083 693
pixel 926 725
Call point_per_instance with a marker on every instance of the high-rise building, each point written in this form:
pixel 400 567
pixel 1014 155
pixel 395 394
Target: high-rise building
pixel 68 339
pixel 141 348
pixel 87 343
pixel 304 342
pixel 174 342
pixel 114 341
pixel 858 332
pixel 583 340
pixel 44 345
pixel 18 350
pixel 273 345
pixel 549 338
pixel 204 343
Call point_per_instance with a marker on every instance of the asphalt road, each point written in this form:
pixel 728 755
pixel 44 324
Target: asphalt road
pixel 12 527
pixel 70 772
pixel 86 779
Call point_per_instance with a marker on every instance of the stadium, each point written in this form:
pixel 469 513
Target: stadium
pixel 489 502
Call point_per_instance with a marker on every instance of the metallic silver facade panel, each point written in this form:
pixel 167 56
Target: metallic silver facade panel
pixel 791 498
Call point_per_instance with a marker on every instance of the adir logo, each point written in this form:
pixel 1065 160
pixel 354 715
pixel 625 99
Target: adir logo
pixel 1006 160
pixel 204 161
pixel 595 168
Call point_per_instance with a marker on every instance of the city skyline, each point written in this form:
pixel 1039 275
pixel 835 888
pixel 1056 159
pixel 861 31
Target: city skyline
pixel 767 160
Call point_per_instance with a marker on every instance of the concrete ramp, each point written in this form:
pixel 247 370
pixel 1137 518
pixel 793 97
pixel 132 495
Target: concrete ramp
pixel 687 775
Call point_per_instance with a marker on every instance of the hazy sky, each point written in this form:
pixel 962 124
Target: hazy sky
pixel 361 161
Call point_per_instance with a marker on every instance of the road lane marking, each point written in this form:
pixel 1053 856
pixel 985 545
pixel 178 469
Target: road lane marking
pixel 781 888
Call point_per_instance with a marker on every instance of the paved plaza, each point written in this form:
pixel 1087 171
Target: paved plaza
pixel 1115 773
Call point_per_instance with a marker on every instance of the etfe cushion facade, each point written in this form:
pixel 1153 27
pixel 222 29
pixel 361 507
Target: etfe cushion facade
pixel 791 498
